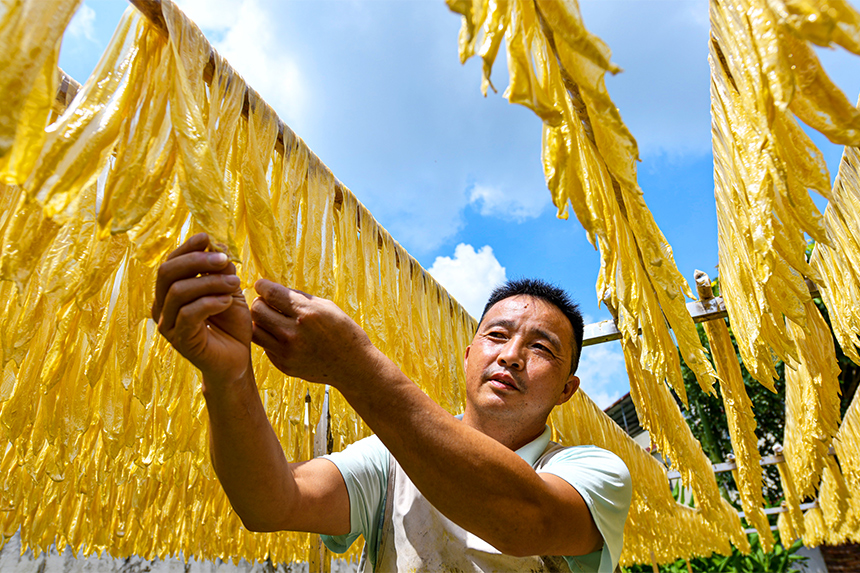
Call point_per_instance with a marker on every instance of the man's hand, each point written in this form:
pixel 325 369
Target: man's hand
pixel 201 311
pixel 309 337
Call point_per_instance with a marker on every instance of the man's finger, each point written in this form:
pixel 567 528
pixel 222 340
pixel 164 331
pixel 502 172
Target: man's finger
pixel 229 269
pixel 276 323
pixel 184 292
pixel 200 242
pixel 181 267
pixel 197 242
pixel 192 316
pixel 279 297
pixel 263 338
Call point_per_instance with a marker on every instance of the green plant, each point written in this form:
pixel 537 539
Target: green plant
pixel 780 560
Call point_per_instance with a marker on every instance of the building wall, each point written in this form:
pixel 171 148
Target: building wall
pixel 12 561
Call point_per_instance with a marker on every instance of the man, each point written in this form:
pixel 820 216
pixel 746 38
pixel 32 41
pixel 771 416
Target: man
pixel 428 491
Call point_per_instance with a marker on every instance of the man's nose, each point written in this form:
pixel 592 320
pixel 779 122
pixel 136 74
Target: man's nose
pixel 511 355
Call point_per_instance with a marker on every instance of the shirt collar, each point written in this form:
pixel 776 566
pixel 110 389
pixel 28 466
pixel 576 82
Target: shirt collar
pixel 532 450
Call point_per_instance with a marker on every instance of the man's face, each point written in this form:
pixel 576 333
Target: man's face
pixel 518 365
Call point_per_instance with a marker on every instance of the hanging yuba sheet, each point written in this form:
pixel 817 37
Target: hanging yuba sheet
pixel 656 522
pixel 846 445
pixel 837 263
pixel 557 69
pixel 740 419
pixel 102 425
pixel 764 72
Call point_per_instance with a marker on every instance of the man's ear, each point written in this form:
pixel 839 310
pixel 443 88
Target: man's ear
pixel 570 388
pixel 466 358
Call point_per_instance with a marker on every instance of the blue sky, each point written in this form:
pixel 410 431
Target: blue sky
pixel 377 91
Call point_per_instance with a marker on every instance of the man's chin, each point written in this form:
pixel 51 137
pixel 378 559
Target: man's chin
pixel 497 402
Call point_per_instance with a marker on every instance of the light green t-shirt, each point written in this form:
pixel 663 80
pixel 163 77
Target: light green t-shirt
pixel 600 477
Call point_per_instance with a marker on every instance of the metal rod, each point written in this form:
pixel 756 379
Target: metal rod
pixel 731 465
pixel 624 418
pixel 782 509
pixel 750 530
pixel 700 311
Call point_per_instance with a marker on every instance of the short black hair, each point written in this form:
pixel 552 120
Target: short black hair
pixel 550 293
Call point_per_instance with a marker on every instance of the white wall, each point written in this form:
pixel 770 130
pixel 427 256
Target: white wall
pixel 11 561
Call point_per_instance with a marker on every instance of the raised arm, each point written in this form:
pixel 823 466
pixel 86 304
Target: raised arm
pixel 474 480
pixel 200 309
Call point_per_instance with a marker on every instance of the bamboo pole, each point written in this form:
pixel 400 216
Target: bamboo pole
pixel 66 92
pixel 654 566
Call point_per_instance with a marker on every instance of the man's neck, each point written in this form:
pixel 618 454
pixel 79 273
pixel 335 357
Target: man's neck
pixel 509 434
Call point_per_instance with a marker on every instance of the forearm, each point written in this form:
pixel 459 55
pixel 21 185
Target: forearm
pixel 471 478
pixel 247 455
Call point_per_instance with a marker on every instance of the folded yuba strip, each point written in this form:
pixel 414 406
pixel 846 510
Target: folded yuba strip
pixel 762 73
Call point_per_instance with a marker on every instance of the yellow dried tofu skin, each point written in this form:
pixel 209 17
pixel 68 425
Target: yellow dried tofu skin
pixel 309 251
pixel 763 70
pixel 35 113
pixel 103 425
pixel 286 196
pixel 846 443
pixel 822 22
pixel 371 298
pixel 390 291
pixel 28 77
pixel 794 515
pixel 346 255
pixel 834 499
pixel 838 266
pixel 787 535
pixel 200 175
pixel 673 438
pixel 26 231
pixel 260 224
pixel 811 402
pixel 815 530
pixel 580 422
pixel 528 83
pixel 754 275
pixel 147 147
pixel 78 145
pixel 742 424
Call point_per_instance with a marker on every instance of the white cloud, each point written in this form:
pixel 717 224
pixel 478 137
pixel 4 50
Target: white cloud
pixel 82 24
pixel 602 373
pixel 250 41
pixel 470 276
pixel 512 205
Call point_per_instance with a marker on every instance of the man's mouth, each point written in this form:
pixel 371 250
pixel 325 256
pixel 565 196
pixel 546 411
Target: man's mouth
pixel 503 381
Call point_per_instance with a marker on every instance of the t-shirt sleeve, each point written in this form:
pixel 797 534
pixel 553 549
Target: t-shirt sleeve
pixel 364 467
pixel 603 481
